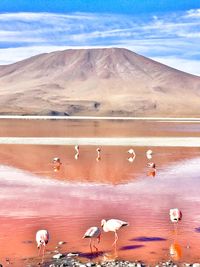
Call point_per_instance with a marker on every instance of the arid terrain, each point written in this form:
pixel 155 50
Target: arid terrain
pixel 99 82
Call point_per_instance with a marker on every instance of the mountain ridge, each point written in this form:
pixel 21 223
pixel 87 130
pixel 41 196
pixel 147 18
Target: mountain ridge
pixel 103 81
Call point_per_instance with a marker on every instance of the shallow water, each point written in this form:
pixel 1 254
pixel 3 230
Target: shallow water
pixel 67 202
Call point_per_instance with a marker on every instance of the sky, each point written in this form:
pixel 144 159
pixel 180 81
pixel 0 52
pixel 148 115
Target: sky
pixel 164 30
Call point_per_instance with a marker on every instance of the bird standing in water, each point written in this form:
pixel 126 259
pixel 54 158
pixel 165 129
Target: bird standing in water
pixel 93 233
pixel 42 239
pixel 149 154
pixel 98 150
pixel 113 225
pixel 56 164
pixel 152 172
pixel 175 217
pixel 77 152
pixel 133 155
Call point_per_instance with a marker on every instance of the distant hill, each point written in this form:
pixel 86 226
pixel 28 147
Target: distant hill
pixel 99 82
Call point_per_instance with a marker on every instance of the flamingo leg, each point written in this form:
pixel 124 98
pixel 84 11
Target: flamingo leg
pixel 90 244
pixel 116 238
pixel 43 254
pixel 96 247
pixel 39 249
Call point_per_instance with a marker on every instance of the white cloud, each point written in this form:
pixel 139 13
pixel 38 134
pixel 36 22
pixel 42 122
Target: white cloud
pixel 186 65
pixel 193 13
pixel 167 36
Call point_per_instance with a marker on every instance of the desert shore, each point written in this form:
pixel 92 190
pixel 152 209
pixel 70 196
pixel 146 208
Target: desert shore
pixel 37 117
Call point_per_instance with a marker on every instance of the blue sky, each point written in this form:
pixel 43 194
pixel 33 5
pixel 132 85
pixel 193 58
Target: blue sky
pixel 164 30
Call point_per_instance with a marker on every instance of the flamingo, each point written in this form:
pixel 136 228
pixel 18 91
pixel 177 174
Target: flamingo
pixel 149 154
pixel 131 151
pixel 42 239
pixel 77 152
pixel 151 165
pixel 113 225
pixel 98 150
pixel 93 233
pixel 57 163
pixel 133 155
pixel 56 160
pixel 175 217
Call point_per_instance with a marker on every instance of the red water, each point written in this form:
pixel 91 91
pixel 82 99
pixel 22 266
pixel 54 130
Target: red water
pixel 67 202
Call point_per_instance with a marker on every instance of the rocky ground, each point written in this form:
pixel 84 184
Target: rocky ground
pixel 61 260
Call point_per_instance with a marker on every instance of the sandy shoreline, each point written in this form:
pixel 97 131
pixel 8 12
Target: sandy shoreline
pixel 106 141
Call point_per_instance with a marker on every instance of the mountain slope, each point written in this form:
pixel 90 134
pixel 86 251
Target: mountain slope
pixel 110 81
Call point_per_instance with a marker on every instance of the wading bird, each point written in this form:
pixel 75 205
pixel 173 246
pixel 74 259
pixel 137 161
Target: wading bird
pixel 42 239
pixel 113 225
pixel 133 155
pixel 56 164
pixel 151 165
pixel 98 150
pixel 152 172
pixel 56 160
pixel 131 151
pixel 93 233
pixel 175 217
pixel 149 154
pixel 77 152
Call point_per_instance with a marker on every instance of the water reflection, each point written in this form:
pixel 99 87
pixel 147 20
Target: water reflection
pixel 83 192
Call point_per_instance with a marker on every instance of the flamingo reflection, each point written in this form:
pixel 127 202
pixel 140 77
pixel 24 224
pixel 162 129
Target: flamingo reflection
pixel 42 239
pixel 93 233
pixel 175 251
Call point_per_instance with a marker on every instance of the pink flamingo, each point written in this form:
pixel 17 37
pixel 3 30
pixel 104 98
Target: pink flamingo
pixel 113 225
pixel 93 233
pixel 42 239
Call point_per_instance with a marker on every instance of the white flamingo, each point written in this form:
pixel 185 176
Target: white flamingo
pixel 93 233
pixel 98 150
pixel 113 225
pixel 151 165
pixel 56 160
pixel 131 151
pixel 77 152
pixel 133 155
pixel 57 163
pixel 149 154
pixel 175 217
pixel 42 239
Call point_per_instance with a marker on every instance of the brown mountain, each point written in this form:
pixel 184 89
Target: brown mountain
pixel 101 82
